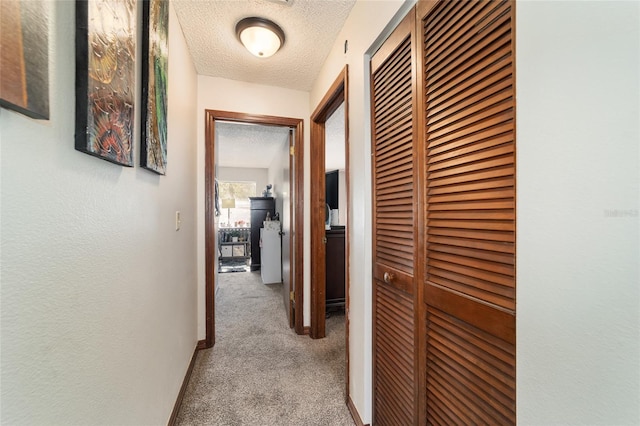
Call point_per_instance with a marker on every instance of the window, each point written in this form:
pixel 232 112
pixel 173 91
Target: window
pixel 234 203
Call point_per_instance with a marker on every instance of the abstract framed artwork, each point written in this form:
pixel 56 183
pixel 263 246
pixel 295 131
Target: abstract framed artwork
pixel 155 64
pixel 24 57
pixel 106 78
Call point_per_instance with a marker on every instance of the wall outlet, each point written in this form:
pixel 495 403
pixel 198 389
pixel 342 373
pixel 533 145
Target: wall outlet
pixel 178 221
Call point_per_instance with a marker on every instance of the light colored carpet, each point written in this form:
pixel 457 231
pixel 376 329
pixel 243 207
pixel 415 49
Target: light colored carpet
pixel 260 372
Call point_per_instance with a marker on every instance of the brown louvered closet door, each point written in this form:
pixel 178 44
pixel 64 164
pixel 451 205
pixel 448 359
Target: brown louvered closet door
pixel 467 74
pixel 394 230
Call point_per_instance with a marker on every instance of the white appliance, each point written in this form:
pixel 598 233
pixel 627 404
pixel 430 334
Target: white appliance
pixel 271 252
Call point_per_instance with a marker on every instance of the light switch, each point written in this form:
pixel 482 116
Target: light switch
pixel 178 221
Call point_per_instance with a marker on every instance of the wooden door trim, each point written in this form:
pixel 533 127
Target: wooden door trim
pixel 421 9
pixel 337 94
pixel 298 241
pixel 292 215
pixel 332 99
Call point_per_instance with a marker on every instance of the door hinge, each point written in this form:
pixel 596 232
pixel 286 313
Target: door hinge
pixel 324 240
pixel 292 150
pixel 292 296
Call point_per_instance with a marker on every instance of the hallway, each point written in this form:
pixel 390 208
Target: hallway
pixel 260 372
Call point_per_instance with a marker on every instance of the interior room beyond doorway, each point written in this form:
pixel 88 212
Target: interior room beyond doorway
pixel 284 187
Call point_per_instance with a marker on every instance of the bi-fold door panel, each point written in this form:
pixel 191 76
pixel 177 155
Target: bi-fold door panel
pixel 394 219
pixel 468 90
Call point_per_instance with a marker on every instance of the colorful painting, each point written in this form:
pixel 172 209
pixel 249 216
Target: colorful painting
pixel 24 57
pixel 105 78
pixel 155 48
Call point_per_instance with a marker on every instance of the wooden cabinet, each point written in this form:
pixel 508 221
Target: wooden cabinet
pixel 335 269
pixel 260 206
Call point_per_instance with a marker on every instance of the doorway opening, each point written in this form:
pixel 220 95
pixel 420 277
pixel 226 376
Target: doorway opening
pixel 235 187
pixel 323 227
pixel 336 99
pixel 292 280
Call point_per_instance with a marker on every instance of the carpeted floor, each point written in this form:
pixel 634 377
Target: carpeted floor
pixel 260 372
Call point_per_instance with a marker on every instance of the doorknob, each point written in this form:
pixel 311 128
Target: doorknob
pixel 388 277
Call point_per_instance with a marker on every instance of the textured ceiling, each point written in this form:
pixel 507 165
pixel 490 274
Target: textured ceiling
pixel 249 145
pixel 255 146
pixel 310 28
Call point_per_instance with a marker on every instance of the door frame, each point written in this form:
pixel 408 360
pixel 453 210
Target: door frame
pixel 333 98
pixel 297 200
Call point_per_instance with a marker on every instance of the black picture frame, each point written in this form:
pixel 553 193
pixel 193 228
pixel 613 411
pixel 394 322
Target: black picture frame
pixel 105 79
pixel 155 71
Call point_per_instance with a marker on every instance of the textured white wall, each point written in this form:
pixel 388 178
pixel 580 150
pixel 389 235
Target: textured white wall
pixel 366 22
pixel 98 289
pixel 578 239
pixel 245 174
pixel 276 175
pixel 237 96
pixel 335 158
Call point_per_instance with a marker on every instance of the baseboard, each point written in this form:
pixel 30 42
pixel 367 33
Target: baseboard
pixel 354 413
pixel 306 331
pixel 202 344
pixel 183 388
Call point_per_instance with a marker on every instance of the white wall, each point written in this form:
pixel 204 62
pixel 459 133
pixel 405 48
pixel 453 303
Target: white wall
pixel 276 175
pixel 230 95
pixel 578 239
pixel 98 289
pixel 245 174
pixel 335 158
pixel 366 21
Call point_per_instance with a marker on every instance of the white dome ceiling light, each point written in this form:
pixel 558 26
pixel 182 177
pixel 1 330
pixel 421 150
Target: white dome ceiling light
pixel 260 36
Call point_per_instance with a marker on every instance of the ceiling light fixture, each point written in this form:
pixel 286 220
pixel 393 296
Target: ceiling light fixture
pixel 260 36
